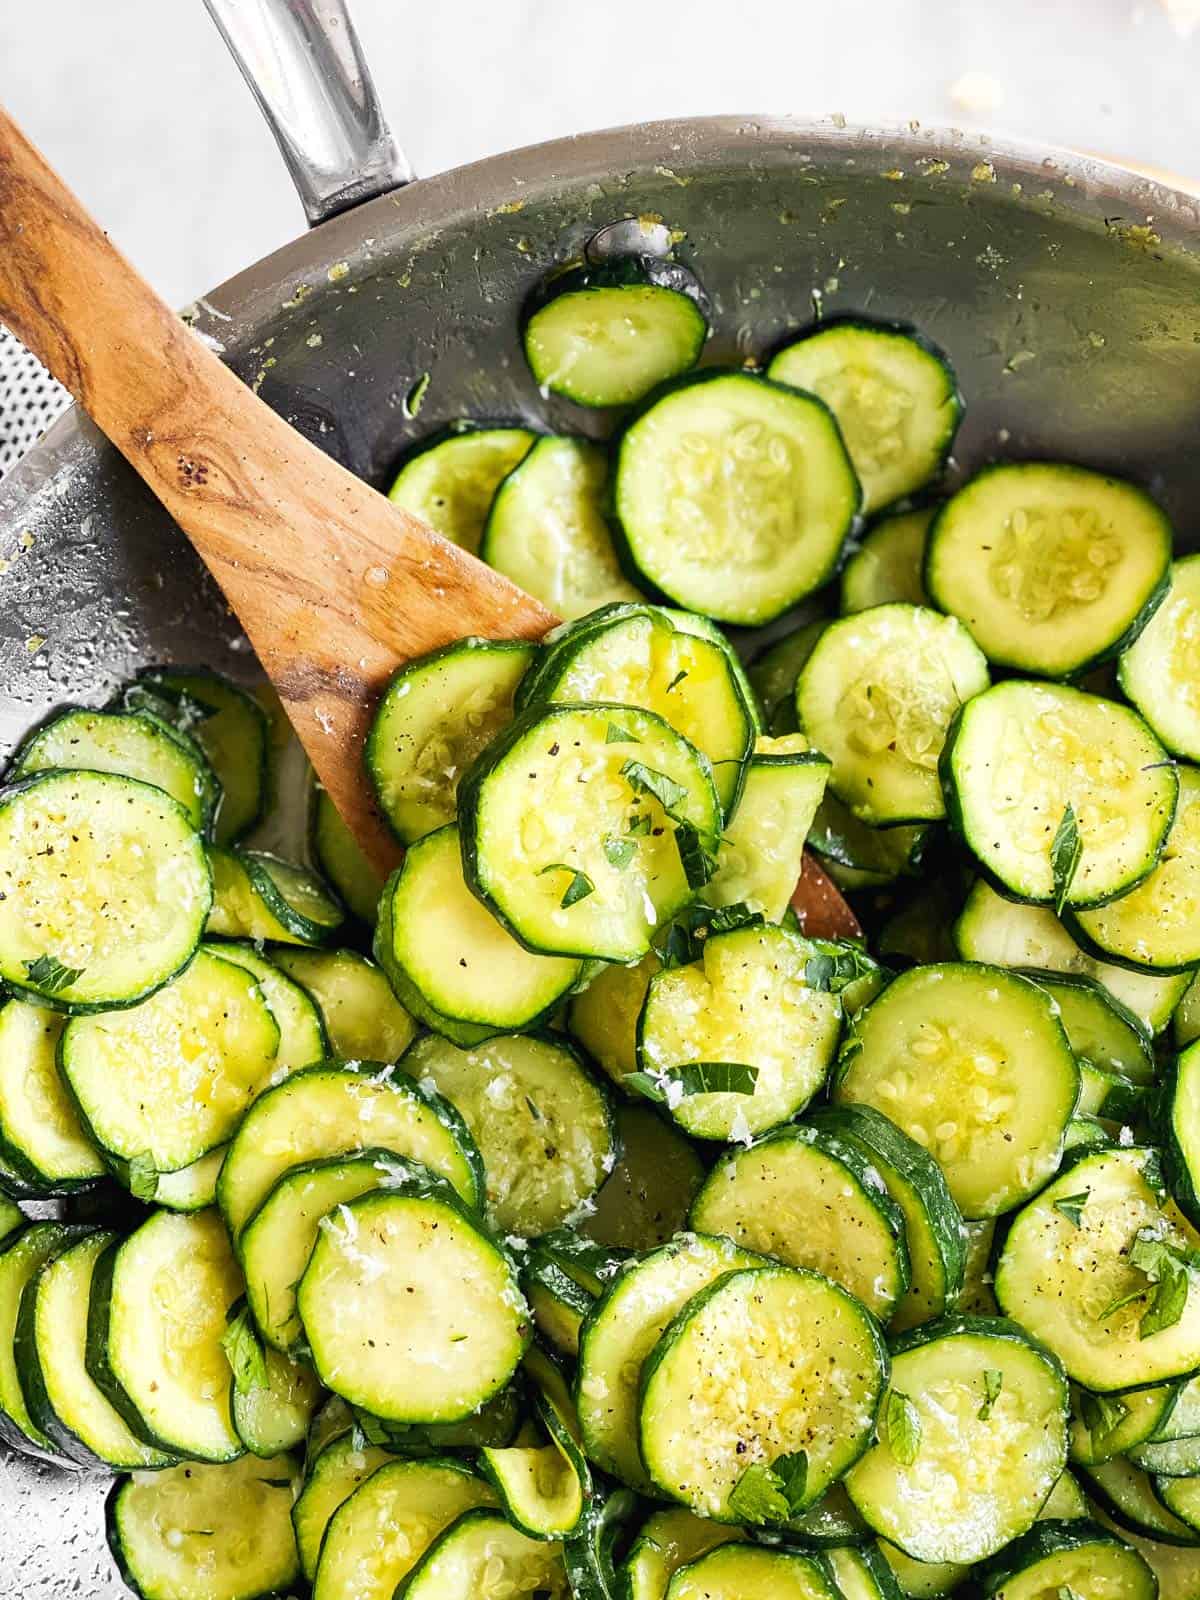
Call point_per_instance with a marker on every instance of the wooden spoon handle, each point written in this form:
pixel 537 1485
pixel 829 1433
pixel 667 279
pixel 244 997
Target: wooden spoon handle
pixel 333 584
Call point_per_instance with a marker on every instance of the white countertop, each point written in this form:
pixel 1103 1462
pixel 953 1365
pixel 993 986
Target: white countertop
pixel 139 106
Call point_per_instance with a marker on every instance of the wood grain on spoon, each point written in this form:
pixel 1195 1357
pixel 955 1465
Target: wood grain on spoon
pixel 334 585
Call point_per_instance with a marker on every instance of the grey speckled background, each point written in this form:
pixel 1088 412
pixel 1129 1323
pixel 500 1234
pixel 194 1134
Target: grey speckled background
pixel 136 102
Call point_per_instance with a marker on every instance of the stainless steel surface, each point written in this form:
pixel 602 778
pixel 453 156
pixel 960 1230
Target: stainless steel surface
pixel 1066 292
pixel 305 67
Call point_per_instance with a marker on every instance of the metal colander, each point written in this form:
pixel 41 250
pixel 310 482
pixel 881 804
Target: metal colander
pixel 29 400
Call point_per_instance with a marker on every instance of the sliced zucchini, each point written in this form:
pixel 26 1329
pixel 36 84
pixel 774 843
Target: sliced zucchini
pixel 645 1198
pixel 603 1017
pixel 106 889
pixel 376 1537
pixel 22 1255
pixel 761 854
pixel 449 480
pixel 1065 1274
pixel 1170 1458
pixel 548 814
pixel 748 1572
pixel 728 1373
pixel 40 1131
pixel 1159 671
pixel 976 1297
pixel 1177 1124
pixel 334 1473
pixel 862 856
pixel 606 335
pixel 435 717
pixel 666 1541
pixel 333 1110
pixel 773 674
pixel 1103 1426
pixel 922 1580
pixel 275 1415
pixel 230 727
pixel 438 1321
pixel 482 1553
pixel 302 1039
pixel 157 1316
pixel 363 1019
pixel 1053 568
pixel 888 565
pixel 992 928
pixel 831 1523
pixel 920 931
pixel 1154 927
pixel 810 1199
pixel 11 1218
pixel 1100 1030
pixel 191 1188
pixel 1130 1498
pixel 735 495
pixel 933 1224
pixel 546 529
pixel 450 960
pixel 862 1574
pixel 342 862
pixel 542 1478
pixel 1182 1419
pixel 1079 1556
pixel 162 1083
pixel 1177 1569
pixel 556 1302
pixel 1026 761
pixel 641 656
pixel 198 1532
pixel 973 1064
pixel 135 744
pixel 621 1331
pixel 61 1399
pixel 974 1438
pixel 1181 1496
pixel 877 695
pixel 1186 1021
pixel 1065 1501
pixel 289 903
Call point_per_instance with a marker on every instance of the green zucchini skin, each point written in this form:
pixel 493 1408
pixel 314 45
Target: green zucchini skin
pixel 1172 1121
pixel 1051 1538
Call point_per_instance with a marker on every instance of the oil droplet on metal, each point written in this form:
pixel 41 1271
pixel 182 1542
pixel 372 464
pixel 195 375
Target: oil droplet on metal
pixel 376 577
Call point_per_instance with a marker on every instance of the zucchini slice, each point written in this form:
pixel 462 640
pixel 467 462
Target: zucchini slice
pixel 973 1064
pixel 810 1199
pixel 1100 1030
pixel 666 1541
pixel 231 729
pixel 862 1574
pixel 1132 1501
pixel 877 695
pixel 605 335
pixel 1103 1426
pixel 1079 1556
pixel 773 675
pixel 334 1473
pixel 342 862
pixel 1022 756
pixel 1182 1419
pixel 451 961
pixel 547 530
pixel 50 1342
pixel 1053 568
pixel 134 744
pixel 191 1188
pixel 439 1323
pixel 543 1127
pixel 435 717
pixel 1008 934
pixel 40 1131
pixel 1159 672
pixel 735 495
pixel 922 1580
pixel 862 856
pixel 973 1439
pixel 363 1019
pixel 621 1331
pixel 542 1478
pixel 333 1110
pixel 22 1255
pixel 376 1537
pixel 557 1303
pixel 278 1239
pixel 645 1199
pixel 106 889
pixel 711 1011
pixel 642 656
pixel 893 393
pixel 302 1039
pixel 761 854
pixel 275 1415
pixel 549 812
pixel 1181 1496
pixel 157 1315
pixel 1156 926
pixel 933 1224
pixel 1170 1458
pixel 11 1218
pixel 975 1297
pixel 748 1572
pixel 482 1553
pixel 450 480
pixel 777 1360
pixel 200 1532
pixel 1064 1273
pixel 603 1017
pixel 1186 1021
pixel 162 1083
pixel 1177 1124
pixel 1177 1569
pixel 889 563
pixel 289 902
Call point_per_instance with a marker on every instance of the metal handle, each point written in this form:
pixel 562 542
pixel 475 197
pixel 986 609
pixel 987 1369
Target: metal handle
pixel 305 67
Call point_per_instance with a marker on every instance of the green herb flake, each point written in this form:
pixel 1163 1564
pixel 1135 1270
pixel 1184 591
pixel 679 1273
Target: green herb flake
pixel 697 858
pixel 993 1382
pixel 415 398
pixel 1065 855
pixel 792 1472
pixel 646 780
pixel 758 1497
pixel 639 824
pixel 615 734
pixel 579 887
pixel 1065 1592
pixel 619 852
pixel 371 1428
pixel 141 1176
pixel 1071 1206
pixel 1101 1415
pixel 243 1351
pixel 50 976
pixel 533 1110
pixel 677 680
pixel 698 1077
pixel 903 1423
pixel 1154 1179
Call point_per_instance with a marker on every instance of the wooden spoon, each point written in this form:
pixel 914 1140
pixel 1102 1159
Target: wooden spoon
pixel 334 585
